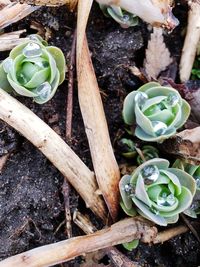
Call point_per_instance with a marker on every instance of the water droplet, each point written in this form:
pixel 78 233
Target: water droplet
pixel 125 18
pixel 33 37
pixel 21 78
pixel 43 91
pixel 172 99
pixel 129 189
pixel 141 98
pixel 159 127
pixel 7 64
pixel 195 205
pixel 166 200
pixel 198 182
pixel 32 50
pixel 150 174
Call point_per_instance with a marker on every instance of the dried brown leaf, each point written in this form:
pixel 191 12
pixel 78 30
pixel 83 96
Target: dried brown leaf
pixel 157 55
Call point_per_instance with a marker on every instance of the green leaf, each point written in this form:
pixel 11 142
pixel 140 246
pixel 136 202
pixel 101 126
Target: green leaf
pixel 4 84
pixel 60 61
pixel 131 245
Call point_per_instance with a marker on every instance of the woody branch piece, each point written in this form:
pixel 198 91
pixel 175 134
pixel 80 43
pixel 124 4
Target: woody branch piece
pixel 117 258
pixel 54 148
pixel 191 42
pixel 120 232
pixel 185 144
pixel 85 224
pixel 105 165
pixel 9 40
pixel 14 12
pixel 45 2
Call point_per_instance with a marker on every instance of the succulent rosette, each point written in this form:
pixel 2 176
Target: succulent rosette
pixel 194 171
pixel 157 192
pixel 124 18
pixel 33 69
pixel 157 111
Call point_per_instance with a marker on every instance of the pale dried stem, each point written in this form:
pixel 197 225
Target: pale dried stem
pixel 85 224
pixel 14 12
pixel 9 40
pixel 191 42
pixel 170 233
pixel 104 162
pixel 120 232
pixel 119 259
pixel 54 148
pixel 3 160
pixel 52 3
pixel 105 165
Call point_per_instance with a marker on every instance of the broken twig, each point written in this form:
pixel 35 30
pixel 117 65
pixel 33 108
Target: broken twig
pixel 120 232
pixel 116 257
pixel 54 148
pixel 14 12
pixel 70 89
pixel 191 42
pixel 9 40
pixel 105 165
pixel 65 192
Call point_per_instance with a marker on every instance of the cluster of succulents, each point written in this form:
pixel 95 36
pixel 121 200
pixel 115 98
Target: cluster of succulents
pixel 33 69
pixel 124 18
pixel 154 190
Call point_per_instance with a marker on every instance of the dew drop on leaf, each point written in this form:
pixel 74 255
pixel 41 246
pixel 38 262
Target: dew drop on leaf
pixel 32 50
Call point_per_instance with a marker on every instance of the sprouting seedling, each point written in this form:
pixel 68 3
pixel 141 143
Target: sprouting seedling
pixel 130 150
pixel 155 12
pixel 194 171
pixel 33 69
pixel 157 192
pixel 124 18
pixel 156 111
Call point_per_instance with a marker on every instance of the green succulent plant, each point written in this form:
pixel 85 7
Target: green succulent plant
pixel 33 69
pixel 129 150
pixel 124 18
pixel 157 111
pixel 157 192
pixel 194 171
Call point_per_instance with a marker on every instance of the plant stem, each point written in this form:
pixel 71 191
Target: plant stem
pixel 70 89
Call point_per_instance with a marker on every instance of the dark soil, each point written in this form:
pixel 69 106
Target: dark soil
pixel 31 201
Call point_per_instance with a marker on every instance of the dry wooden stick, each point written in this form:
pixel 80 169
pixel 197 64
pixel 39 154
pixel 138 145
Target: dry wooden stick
pixel 85 224
pixel 3 160
pixel 191 41
pixel 14 12
pixel 54 148
pixel 68 218
pixel 9 40
pixel 120 232
pixel 71 4
pixel 69 110
pixel 116 257
pixel 44 2
pixel 105 165
pixel 170 233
